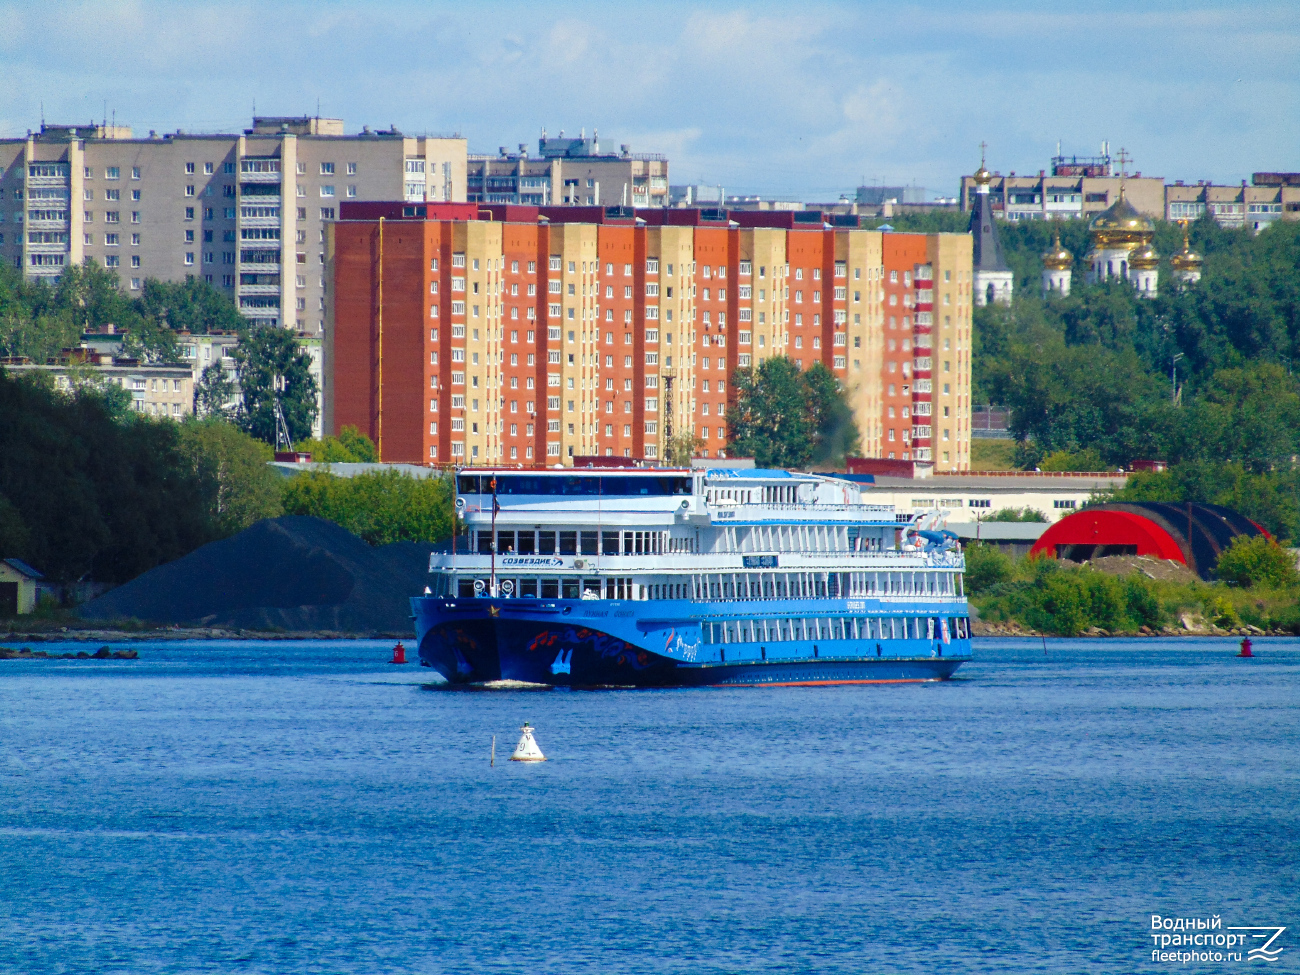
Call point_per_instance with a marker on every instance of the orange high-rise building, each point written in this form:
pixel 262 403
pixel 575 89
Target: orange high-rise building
pixel 505 334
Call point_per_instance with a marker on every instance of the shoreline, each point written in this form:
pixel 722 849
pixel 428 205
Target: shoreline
pixel 986 629
pixel 177 633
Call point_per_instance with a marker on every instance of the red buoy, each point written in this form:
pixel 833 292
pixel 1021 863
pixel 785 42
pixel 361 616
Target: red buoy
pixel 1245 647
pixel 399 654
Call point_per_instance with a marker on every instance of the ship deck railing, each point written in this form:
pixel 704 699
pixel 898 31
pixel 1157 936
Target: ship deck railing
pixel 803 507
pixel 708 561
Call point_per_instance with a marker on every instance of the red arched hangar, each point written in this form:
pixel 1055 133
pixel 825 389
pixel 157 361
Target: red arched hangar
pixel 1191 533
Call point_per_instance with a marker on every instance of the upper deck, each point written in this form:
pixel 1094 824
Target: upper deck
pixel 660 498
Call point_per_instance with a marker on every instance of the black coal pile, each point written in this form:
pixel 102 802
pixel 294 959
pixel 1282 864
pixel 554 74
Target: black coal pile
pixel 291 573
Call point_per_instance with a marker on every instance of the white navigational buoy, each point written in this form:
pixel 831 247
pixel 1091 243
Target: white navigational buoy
pixel 527 750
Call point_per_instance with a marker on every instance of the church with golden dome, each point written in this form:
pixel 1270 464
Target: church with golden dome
pixel 1058 268
pixel 993 277
pixel 1186 263
pixel 1122 248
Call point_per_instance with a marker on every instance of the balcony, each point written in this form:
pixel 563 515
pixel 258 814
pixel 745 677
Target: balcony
pixel 261 171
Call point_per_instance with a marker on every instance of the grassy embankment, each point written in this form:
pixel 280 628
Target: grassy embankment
pixel 993 455
pixel 1043 595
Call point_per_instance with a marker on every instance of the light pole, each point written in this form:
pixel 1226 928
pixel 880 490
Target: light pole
pixel 1173 377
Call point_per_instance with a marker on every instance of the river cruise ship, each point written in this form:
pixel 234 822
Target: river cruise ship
pixel 664 577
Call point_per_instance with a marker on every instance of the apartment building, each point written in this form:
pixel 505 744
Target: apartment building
pixel 1044 197
pixel 1269 197
pixel 246 212
pixel 157 389
pixel 569 172
pixel 1082 188
pixel 196 352
pixel 523 335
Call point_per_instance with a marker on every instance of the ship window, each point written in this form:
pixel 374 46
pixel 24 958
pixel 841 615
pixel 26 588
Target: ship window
pixel 528 588
pixel 465 588
pixel 506 542
pixel 484 543
pixel 569 546
pixel 609 543
pixel 569 587
pixel 551 587
pixel 527 546
pixel 589 543
pixel 546 543
pixel 591 586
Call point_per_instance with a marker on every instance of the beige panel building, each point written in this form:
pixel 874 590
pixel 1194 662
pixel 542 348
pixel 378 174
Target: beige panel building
pixel 156 389
pixel 862 254
pixel 246 212
pixel 950 257
pixel 569 172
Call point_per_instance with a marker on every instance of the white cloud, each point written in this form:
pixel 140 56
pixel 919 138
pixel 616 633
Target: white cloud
pixel 796 100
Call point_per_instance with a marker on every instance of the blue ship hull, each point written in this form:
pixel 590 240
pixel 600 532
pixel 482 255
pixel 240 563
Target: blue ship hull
pixel 582 643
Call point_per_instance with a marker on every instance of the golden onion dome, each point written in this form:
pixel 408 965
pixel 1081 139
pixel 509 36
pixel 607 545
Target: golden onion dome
pixel 1144 258
pixel 1121 224
pixel 982 176
pixel 1058 258
pixel 1186 259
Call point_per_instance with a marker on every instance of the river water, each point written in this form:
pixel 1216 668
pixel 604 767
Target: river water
pixel 306 807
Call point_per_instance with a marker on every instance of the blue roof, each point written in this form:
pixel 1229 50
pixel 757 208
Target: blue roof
pixel 746 473
pixel 24 568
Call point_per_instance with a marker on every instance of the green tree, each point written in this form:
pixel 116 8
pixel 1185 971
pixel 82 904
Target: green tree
pixel 681 447
pixel 1016 515
pixel 986 566
pixel 1258 561
pixel 97 494
pixel 351 446
pixel 1087 459
pixel 191 305
pixel 836 431
pixel 784 417
pixel 356 443
pixel 214 393
pixel 238 484
pixel 380 506
pixel 771 420
pixel 272 366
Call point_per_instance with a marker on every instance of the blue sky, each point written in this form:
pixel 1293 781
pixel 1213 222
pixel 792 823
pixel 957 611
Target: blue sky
pixel 785 100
